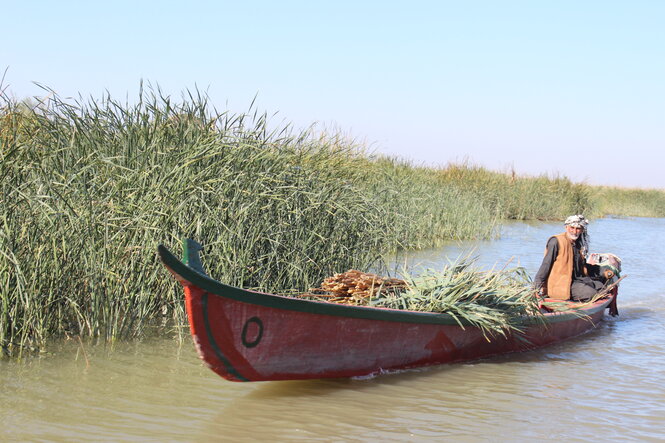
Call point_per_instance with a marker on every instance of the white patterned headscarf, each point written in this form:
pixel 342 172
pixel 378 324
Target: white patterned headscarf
pixel 579 221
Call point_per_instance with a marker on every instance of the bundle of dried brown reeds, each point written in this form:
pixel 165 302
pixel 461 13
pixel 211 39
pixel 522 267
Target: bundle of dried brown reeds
pixel 356 287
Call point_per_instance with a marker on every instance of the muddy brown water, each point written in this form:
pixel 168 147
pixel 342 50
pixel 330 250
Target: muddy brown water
pixel 608 384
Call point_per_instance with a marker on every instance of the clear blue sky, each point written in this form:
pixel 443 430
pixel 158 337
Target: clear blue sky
pixel 569 87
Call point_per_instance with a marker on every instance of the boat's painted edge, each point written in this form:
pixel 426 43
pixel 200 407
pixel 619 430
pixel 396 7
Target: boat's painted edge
pixel 199 279
pixel 213 343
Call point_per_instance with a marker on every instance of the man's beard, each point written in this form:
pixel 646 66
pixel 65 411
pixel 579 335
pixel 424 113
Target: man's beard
pixel 573 237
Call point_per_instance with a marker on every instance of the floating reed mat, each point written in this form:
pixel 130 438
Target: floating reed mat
pixel 498 302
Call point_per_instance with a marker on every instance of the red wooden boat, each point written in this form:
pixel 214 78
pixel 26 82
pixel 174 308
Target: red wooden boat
pixel 250 336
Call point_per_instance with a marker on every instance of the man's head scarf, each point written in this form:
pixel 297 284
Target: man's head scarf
pixel 579 221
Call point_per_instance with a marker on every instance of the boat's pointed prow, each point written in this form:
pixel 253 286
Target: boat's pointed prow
pixel 191 258
pixel 191 249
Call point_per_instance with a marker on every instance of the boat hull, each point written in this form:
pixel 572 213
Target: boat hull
pixel 250 336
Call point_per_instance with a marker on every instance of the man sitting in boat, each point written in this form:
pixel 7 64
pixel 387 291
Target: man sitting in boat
pixel 564 273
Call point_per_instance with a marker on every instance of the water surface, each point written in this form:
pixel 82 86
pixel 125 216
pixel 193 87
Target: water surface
pixel 606 385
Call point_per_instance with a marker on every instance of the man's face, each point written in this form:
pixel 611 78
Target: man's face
pixel 573 232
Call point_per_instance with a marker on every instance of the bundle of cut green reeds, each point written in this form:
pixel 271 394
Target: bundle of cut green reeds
pixel 497 301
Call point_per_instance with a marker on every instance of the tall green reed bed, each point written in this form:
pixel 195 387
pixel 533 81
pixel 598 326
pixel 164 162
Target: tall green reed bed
pixel 516 197
pixel 520 197
pixel 633 202
pixel 90 188
pixel 432 210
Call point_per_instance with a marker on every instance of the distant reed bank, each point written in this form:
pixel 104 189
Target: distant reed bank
pixel 89 189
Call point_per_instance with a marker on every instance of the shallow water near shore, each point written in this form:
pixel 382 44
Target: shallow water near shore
pixel 608 384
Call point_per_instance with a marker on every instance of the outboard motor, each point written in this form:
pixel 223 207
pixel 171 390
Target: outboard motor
pixel 609 266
